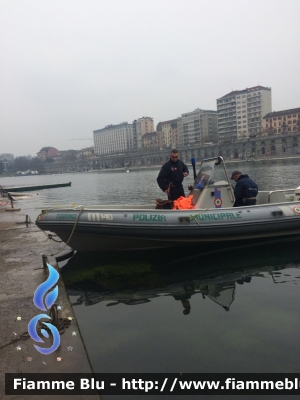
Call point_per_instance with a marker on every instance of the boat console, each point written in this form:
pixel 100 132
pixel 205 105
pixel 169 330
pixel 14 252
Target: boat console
pixel 214 195
pixel 212 188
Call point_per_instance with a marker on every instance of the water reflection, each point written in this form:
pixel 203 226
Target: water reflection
pixel 128 279
pixel 227 310
pixel 221 293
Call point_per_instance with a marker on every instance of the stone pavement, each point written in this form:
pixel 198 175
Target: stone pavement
pixel 21 272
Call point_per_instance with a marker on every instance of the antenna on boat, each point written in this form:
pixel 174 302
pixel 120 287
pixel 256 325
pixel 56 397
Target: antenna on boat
pixel 193 161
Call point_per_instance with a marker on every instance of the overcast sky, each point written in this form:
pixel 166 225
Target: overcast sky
pixel 69 67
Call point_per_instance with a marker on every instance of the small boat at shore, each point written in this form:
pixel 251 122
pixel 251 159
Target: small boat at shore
pixel 212 218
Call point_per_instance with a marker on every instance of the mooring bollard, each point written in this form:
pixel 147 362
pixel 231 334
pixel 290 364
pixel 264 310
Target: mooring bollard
pixel 12 204
pixel 11 200
pixel 45 260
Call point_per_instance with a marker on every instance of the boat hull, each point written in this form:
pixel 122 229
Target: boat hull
pixel 107 228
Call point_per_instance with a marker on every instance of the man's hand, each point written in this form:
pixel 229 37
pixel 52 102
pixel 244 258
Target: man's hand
pixel 185 174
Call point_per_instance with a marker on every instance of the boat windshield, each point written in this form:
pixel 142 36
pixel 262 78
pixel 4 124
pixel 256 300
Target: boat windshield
pixel 211 170
pixel 222 293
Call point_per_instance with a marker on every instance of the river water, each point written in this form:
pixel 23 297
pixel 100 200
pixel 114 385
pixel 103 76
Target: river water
pixel 231 310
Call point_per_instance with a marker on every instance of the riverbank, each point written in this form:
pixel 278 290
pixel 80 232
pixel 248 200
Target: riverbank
pixel 21 271
pixel 233 161
pixel 158 166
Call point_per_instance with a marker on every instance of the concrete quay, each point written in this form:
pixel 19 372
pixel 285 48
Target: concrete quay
pixel 21 272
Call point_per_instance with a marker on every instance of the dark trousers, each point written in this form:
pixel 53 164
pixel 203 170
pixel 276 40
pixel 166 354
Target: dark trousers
pixel 176 192
pixel 242 203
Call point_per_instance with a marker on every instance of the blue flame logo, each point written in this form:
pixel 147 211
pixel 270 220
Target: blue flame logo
pixel 44 301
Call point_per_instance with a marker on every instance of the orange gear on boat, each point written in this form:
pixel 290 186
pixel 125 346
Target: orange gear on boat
pixel 183 203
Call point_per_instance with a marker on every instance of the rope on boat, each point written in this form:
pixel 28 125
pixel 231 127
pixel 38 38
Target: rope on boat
pixel 60 323
pixel 73 230
pixel 193 217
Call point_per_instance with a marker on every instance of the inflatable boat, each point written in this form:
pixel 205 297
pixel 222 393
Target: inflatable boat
pixel 212 218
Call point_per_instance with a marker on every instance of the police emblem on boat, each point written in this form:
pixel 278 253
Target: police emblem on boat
pixel 296 210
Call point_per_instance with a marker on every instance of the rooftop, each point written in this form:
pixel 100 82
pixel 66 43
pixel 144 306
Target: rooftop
pixel 247 90
pixel 282 112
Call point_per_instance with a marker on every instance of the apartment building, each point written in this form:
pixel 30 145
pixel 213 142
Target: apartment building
pixel 209 126
pixel 141 126
pixel 285 121
pixel 241 112
pixel 150 141
pixel 114 139
pixel 168 134
pixel 197 127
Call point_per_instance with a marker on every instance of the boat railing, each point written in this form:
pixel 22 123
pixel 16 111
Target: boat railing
pixel 281 192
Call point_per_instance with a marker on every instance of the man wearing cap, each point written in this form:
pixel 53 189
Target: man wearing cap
pixel 245 190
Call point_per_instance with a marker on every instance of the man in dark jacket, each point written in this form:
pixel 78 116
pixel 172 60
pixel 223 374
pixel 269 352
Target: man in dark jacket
pixel 171 176
pixel 245 190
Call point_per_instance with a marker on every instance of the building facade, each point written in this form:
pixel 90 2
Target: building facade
pixel 168 134
pixel 285 121
pixel 88 152
pixel 150 141
pixel 241 112
pixel 47 152
pixel 147 125
pixel 114 139
pixel 209 126
pixel 141 126
pixel 197 127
